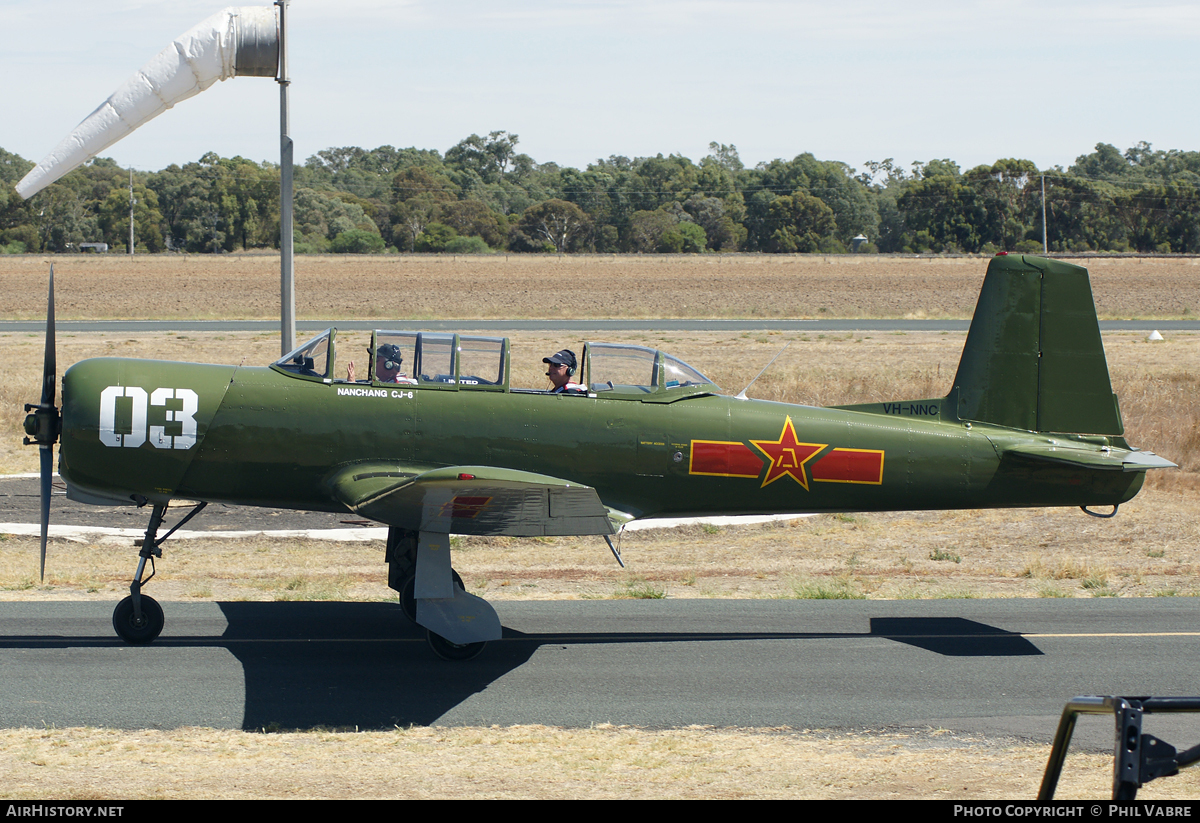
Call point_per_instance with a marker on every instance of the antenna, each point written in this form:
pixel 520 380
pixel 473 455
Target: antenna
pixel 742 394
pixel 132 203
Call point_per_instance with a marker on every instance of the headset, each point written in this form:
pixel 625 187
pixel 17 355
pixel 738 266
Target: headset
pixel 390 354
pixel 570 369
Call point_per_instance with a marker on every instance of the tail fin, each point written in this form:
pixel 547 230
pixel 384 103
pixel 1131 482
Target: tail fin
pixel 1033 359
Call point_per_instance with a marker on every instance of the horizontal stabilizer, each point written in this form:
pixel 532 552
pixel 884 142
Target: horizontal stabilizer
pixel 480 500
pixel 1115 459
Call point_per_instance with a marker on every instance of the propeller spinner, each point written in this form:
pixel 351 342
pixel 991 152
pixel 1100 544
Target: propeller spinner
pixel 43 424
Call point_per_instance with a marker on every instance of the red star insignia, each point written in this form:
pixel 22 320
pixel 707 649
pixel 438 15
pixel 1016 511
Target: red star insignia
pixel 787 455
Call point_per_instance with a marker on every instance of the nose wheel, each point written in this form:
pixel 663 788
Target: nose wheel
pixel 138 629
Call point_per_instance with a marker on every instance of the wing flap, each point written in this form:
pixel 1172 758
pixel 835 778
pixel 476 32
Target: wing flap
pixel 478 500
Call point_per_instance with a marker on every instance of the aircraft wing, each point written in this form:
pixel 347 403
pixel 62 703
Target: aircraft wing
pixel 1114 459
pixel 481 500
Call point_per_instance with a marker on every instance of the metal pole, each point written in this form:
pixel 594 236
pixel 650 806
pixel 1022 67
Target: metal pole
pixel 131 204
pixel 287 286
pixel 1045 247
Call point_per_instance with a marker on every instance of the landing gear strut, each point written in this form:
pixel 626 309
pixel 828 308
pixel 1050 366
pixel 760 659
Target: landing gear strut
pixel 401 556
pixel 408 594
pixel 432 595
pixel 138 619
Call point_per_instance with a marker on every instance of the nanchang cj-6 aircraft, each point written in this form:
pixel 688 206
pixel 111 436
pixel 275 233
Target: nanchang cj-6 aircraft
pixel 1030 420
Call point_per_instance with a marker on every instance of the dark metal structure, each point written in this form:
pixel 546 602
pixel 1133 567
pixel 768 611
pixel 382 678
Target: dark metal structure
pixel 1138 758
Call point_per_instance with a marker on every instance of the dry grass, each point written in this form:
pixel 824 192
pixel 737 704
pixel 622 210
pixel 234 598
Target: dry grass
pixel 513 762
pixel 434 286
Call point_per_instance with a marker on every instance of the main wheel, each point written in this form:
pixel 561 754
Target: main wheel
pixel 446 650
pixel 408 594
pixel 135 631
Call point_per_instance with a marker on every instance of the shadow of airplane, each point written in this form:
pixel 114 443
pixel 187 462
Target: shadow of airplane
pixel 953 636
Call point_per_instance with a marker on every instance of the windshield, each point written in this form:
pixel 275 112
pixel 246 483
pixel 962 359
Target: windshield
pixel 616 367
pixel 310 359
pixel 678 373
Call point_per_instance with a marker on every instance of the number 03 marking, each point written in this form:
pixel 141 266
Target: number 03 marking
pixel 138 428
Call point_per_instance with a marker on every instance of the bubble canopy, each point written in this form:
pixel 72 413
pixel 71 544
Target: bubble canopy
pixel 622 368
pixel 451 361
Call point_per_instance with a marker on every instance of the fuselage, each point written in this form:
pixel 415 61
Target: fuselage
pixel 136 429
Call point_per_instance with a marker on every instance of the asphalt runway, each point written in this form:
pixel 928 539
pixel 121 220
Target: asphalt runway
pixel 992 667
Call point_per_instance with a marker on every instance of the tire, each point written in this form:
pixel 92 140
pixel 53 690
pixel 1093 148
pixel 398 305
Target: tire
pixel 453 652
pixel 138 632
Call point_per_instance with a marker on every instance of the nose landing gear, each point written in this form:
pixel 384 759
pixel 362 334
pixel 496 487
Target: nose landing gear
pixel 138 619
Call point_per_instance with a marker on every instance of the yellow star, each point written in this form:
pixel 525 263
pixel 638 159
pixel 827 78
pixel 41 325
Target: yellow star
pixel 787 455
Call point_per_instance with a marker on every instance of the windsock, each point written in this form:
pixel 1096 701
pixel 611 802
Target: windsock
pixel 239 41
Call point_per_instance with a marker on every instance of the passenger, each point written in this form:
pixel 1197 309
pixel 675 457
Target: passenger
pixel 388 360
pixel 561 369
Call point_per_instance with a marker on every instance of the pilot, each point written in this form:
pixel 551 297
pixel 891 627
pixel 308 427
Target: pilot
pixel 560 369
pixel 388 361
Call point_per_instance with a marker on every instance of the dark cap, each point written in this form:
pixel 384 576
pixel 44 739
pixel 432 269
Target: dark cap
pixel 566 357
pixel 389 351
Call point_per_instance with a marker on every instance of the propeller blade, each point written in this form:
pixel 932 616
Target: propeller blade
pixel 47 453
pixel 48 367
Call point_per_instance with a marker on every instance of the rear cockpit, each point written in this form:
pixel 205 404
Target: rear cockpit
pixel 425 359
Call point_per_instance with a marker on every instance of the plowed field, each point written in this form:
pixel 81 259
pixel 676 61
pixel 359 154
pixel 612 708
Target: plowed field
pixel 525 286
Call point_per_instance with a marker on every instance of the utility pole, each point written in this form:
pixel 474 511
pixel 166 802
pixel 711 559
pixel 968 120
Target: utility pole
pixel 1045 246
pixel 287 285
pixel 132 203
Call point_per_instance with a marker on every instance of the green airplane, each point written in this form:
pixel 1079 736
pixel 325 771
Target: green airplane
pixel 435 441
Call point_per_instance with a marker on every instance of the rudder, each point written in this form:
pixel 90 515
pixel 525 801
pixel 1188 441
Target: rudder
pixel 1033 358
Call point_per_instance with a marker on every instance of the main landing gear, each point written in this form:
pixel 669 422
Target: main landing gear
pixel 432 595
pixel 138 619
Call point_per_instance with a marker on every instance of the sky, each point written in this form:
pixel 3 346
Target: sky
pixel 852 81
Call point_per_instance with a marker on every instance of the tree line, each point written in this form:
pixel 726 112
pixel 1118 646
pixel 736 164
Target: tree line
pixel 483 195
